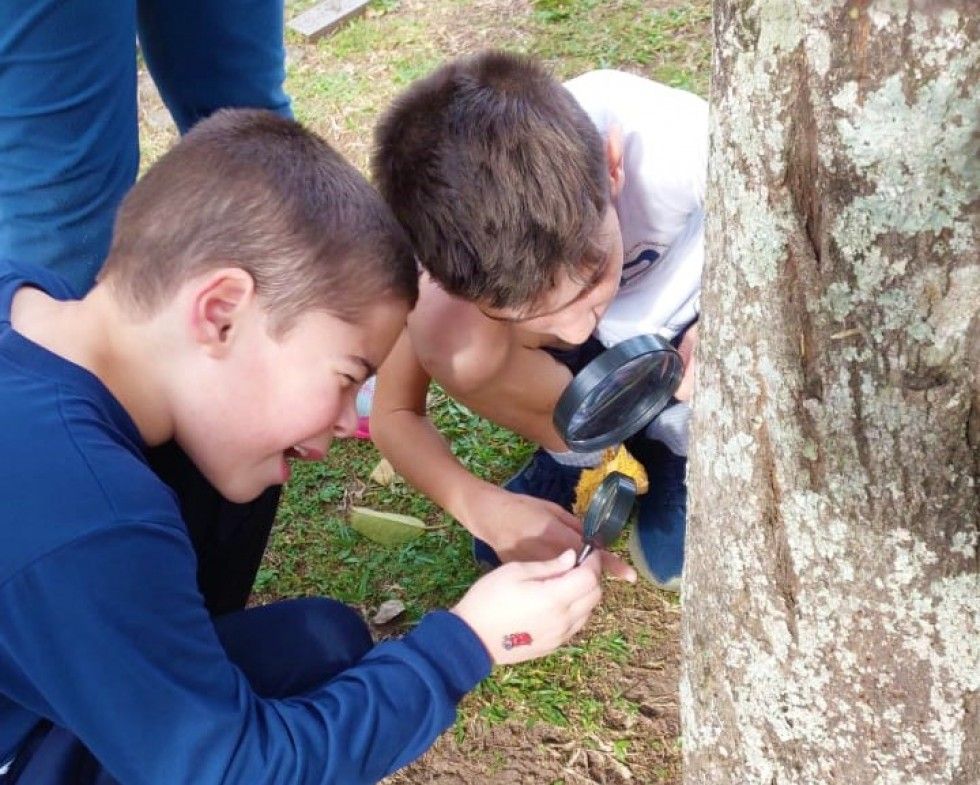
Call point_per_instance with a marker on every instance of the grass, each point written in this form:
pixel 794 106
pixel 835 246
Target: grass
pixel 393 43
pixel 595 705
pixel 667 43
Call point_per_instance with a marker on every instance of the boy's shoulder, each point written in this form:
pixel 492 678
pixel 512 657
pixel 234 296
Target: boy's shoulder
pixel 71 469
pixel 73 460
pixel 457 345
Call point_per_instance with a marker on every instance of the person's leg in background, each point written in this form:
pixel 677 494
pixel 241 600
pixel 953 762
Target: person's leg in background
pixel 208 54
pixel 656 543
pixel 69 146
pixel 68 131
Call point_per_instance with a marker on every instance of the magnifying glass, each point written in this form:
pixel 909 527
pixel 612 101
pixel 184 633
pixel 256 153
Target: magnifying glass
pixel 618 393
pixel 607 514
pixel 613 397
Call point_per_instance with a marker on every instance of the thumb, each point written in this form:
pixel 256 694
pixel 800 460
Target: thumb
pixel 539 570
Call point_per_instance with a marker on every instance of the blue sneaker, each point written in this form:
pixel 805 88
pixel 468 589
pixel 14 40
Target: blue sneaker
pixel 542 477
pixel 657 541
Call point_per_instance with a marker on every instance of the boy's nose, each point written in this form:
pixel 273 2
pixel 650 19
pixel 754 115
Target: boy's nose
pixel 579 331
pixel 346 424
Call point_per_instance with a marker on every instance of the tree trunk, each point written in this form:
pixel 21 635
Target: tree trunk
pixel 832 586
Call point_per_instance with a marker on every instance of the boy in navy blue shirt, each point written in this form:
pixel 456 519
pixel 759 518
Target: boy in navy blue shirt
pixel 254 282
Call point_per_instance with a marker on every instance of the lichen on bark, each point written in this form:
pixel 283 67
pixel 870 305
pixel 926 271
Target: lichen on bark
pixel 832 586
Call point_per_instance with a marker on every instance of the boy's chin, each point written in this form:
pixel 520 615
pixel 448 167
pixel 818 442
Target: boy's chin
pixel 244 497
pixel 240 493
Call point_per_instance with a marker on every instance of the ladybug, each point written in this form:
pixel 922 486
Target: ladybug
pixel 517 639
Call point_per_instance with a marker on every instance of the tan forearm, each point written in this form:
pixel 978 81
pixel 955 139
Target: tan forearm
pixel 420 454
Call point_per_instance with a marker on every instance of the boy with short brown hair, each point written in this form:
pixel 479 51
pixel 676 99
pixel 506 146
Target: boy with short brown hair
pixel 255 282
pixel 552 221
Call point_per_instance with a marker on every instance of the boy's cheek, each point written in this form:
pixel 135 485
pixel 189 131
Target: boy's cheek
pixel 686 350
pixel 686 387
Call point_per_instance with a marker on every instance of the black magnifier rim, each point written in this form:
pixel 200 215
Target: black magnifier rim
pixel 622 490
pixel 592 375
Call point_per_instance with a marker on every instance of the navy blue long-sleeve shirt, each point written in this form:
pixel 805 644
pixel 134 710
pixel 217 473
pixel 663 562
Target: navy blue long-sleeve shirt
pixel 103 630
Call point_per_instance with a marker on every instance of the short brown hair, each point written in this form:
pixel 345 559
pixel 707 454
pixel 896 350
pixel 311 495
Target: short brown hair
pixel 253 190
pixel 497 174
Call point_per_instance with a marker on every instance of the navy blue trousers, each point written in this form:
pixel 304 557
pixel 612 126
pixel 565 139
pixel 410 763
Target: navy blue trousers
pixel 284 649
pixel 69 148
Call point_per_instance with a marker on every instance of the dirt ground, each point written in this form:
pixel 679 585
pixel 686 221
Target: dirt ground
pixel 511 753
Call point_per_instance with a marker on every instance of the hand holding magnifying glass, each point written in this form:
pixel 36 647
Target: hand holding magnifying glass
pixel 613 397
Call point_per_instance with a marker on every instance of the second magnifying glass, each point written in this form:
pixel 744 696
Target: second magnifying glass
pixel 613 397
pixel 607 514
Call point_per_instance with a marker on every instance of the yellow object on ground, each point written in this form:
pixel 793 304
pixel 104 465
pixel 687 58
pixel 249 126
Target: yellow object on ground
pixel 613 460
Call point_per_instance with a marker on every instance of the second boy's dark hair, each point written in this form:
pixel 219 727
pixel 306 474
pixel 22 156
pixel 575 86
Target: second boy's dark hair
pixel 249 189
pixel 498 175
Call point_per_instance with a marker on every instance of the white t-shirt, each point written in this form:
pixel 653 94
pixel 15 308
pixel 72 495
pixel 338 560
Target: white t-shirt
pixel 664 134
pixel 661 213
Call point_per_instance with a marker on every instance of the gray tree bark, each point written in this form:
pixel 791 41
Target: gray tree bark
pixel 831 594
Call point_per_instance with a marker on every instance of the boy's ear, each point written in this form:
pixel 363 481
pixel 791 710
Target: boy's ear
pixel 614 159
pixel 220 300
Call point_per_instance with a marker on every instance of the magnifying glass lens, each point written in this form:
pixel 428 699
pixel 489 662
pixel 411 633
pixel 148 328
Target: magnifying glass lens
pixel 607 513
pixel 600 509
pixel 643 383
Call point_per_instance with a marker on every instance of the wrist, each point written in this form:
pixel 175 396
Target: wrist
pixel 468 503
pixel 461 614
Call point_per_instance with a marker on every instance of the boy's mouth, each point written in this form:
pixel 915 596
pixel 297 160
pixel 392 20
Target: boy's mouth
pixel 302 453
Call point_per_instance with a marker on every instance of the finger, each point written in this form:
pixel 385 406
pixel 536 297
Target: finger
pixel 573 522
pixel 542 570
pixel 564 516
pixel 549 544
pixel 581 611
pixel 566 536
pixel 565 589
pixel 594 563
pixel 615 567
pixel 533 551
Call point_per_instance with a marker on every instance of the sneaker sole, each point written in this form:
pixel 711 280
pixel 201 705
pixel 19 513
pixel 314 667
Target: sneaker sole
pixel 640 563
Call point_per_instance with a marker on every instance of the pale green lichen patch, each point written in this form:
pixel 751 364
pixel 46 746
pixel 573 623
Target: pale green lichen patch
pixel 838 301
pixel 951 315
pixel 818 50
pixel 788 684
pixel 903 148
pixel 781 29
pixel 759 247
pixel 965 544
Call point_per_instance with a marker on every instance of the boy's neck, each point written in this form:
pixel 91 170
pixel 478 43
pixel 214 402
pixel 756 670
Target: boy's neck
pixel 95 334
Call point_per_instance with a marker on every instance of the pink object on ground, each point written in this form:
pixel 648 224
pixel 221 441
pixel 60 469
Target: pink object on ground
pixel 363 428
pixel 365 396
